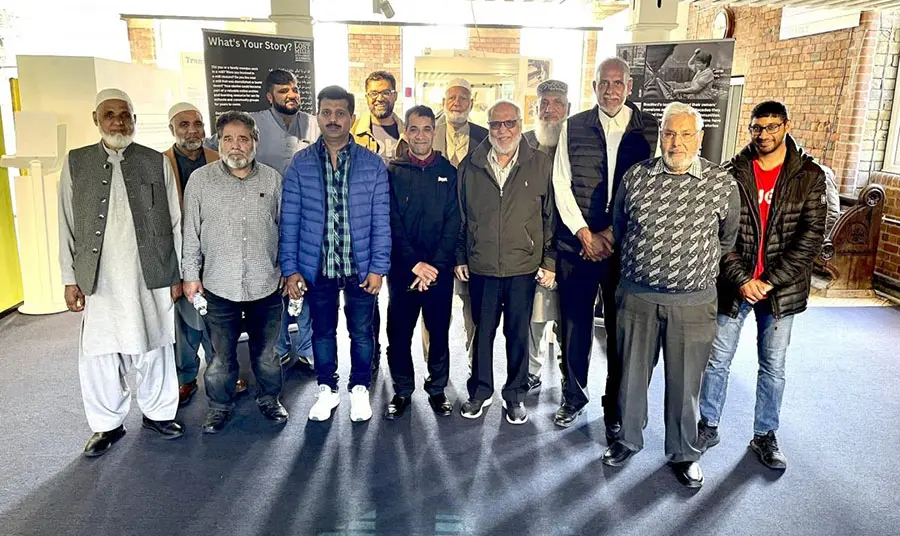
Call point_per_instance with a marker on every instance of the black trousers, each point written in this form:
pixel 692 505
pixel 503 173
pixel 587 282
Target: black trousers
pixel 403 314
pixel 514 298
pixel 578 281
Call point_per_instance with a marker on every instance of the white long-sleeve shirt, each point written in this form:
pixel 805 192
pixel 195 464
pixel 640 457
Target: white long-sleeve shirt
pixel 614 129
pixel 122 315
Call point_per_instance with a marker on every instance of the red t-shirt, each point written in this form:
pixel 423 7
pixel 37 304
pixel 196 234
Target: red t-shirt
pixel 765 187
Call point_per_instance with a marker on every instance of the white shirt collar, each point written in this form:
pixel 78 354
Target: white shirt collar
pixel 619 121
pixel 496 161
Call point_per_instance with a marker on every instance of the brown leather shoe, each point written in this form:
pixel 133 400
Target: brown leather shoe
pixel 186 392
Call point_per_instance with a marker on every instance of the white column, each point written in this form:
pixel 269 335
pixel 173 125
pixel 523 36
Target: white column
pixel 292 18
pixel 652 20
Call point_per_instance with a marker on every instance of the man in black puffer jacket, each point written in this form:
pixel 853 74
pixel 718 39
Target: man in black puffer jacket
pixel 783 208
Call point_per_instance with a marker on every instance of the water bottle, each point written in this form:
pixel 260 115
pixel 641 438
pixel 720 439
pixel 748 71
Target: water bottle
pixel 295 306
pixel 199 303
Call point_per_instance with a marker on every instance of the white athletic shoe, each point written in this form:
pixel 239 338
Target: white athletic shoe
pixel 360 408
pixel 326 401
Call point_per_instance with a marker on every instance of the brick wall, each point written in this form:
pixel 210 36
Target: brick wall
pixel 502 41
pixel 372 48
pixel 824 79
pixel 888 261
pixel 588 100
pixel 881 95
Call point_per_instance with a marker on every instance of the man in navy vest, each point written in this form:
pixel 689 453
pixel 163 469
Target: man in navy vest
pixel 595 149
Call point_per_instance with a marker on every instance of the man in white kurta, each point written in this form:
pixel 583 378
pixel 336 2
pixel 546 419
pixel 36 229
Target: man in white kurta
pixel 125 325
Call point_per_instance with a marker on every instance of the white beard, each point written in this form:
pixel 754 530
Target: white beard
pixel 189 146
pixel 238 162
pixel 512 147
pixel 547 132
pixel 457 118
pixel 116 141
pixel 685 163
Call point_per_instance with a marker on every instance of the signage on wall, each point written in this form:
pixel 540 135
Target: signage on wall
pixel 800 22
pixel 693 72
pixel 237 65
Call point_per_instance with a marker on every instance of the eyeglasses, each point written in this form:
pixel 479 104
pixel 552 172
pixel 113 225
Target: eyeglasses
pixel 511 124
pixel 771 128
pixel 669 135
pixel 387 93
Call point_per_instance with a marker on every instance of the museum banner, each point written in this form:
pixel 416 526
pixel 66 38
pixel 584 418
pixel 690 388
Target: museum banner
pixel 693 72
pixel 237 65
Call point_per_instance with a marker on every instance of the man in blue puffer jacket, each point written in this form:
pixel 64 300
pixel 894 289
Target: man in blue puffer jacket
pixel 336 235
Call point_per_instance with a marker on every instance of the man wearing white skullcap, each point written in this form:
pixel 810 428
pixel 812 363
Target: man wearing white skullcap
pixel 119 254
pixel 187 155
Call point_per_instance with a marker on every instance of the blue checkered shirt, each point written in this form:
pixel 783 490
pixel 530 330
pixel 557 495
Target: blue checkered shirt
pixel 337 252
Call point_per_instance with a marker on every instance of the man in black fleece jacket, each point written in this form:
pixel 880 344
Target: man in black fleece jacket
pixel 425 224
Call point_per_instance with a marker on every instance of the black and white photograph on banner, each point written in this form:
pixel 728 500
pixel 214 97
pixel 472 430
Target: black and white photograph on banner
pixel 538 71
pixel 694 72
pixel 237 65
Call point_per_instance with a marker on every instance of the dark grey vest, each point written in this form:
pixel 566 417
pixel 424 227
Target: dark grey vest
pixel 145 183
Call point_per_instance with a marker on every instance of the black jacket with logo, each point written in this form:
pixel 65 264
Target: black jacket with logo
pixel 424 215
pixel 795 230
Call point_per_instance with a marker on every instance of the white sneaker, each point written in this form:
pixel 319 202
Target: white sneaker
pixel 360 408
pixel 326 401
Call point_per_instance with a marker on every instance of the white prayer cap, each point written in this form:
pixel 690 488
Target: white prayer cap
pixel 460 82
pixel 113 94
pixel 183 107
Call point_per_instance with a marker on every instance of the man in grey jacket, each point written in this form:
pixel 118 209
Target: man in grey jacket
pixel 508 217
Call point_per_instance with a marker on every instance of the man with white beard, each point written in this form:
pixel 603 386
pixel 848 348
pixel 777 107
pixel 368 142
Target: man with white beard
pixel 674 218
pixel 553 109
pixel 119 244
pixel 187 155
pixel 504 191
pixel 455 137
pixel 231 214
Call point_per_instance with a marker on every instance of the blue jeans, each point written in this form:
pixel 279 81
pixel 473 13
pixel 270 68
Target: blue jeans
pixel 773 337
pixel 261 320
pixel 303 346
pixel 359 307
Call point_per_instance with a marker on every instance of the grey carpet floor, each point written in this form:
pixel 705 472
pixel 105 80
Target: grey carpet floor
pixel 450 476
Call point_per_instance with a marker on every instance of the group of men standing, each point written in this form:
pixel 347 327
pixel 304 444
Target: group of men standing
pixel 529 227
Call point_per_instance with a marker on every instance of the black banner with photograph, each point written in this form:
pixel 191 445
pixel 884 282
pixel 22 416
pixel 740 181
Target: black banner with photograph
pixel 693 72
pixel 237 65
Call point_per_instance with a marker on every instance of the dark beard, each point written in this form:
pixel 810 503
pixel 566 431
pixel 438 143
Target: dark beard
pixel 389 111
pixel 282 109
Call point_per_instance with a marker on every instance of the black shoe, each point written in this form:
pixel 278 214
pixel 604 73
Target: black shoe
pixel 274 411
pixel 515 412
pixel 440 404
pixel 100 442
pixel 285 358
pixel 473 408
pixel 566 415
pixel 306 361
pixel 167 429
pixel 534 382
pixel 617 454
pixel 612 432
pixel 766 447
pixel 216 419
pixel 186 392
pixel 707 436
pixel 689 474
pixel 397 407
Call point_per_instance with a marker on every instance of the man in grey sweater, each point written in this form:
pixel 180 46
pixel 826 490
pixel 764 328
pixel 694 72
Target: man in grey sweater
pixel 674 218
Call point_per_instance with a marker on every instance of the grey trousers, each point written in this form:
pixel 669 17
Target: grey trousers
pixel 685 335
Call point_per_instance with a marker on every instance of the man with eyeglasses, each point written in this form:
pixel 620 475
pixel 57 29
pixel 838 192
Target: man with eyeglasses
pixel 783 211
pixel 674 218
pixel 379 129
pixel 336 238
pixel 595 149
pixel 506 237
